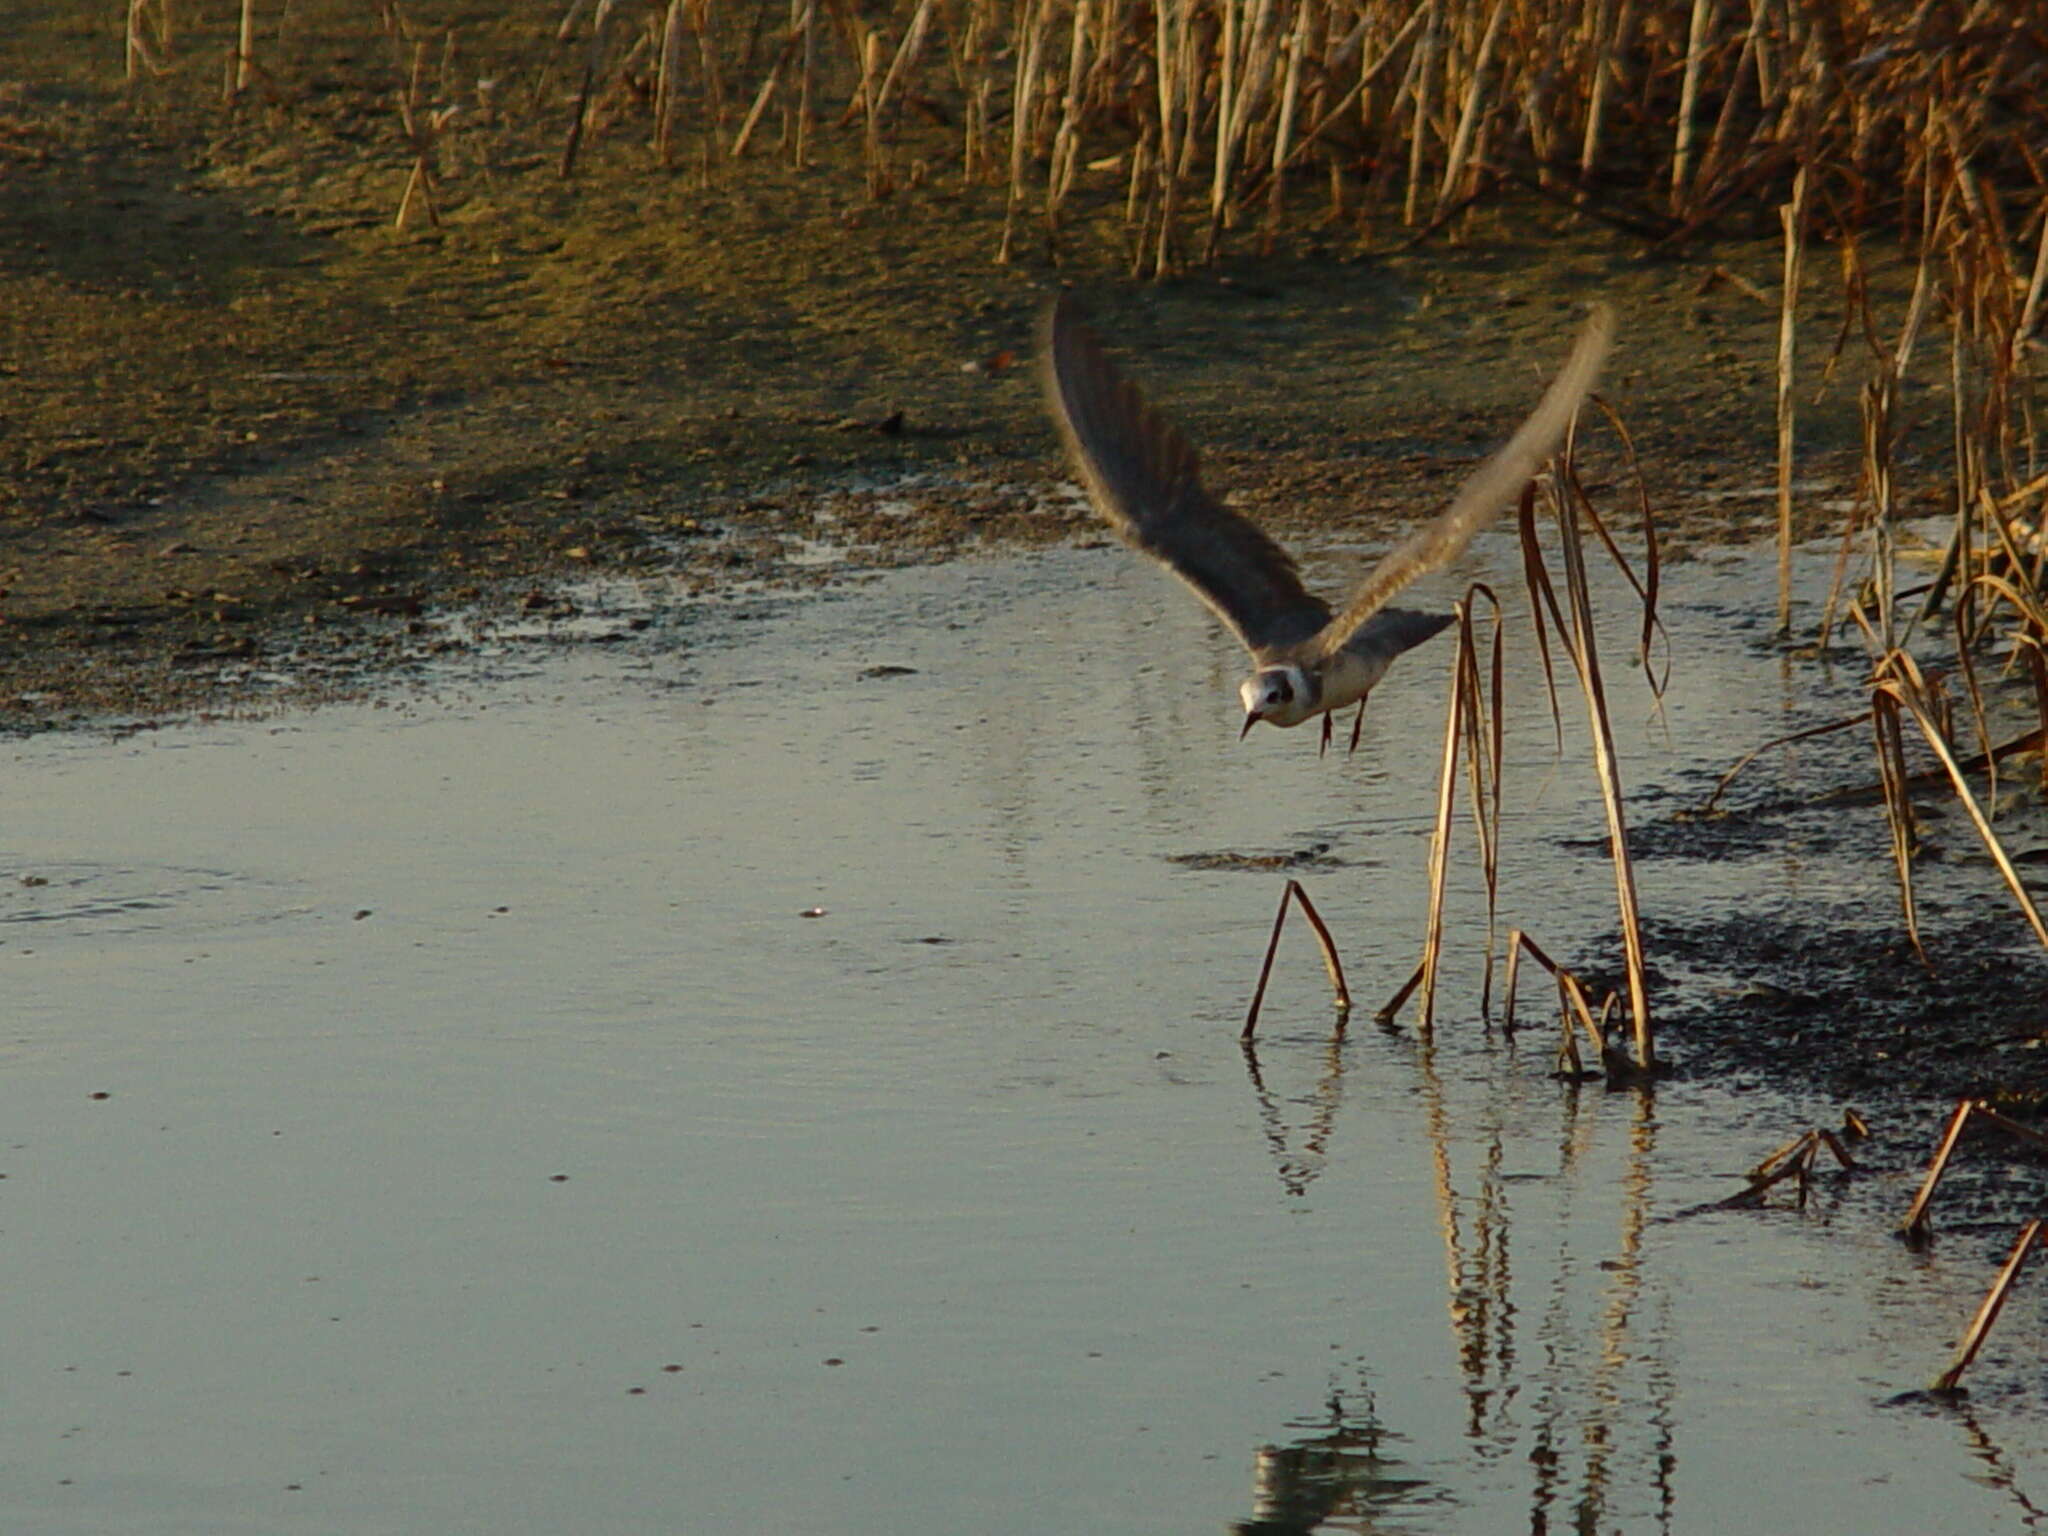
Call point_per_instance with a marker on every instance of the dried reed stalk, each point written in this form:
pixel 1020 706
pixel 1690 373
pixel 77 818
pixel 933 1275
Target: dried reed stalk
pixel 138 55
pixel 708 67
pixel 1440 835
pixel 1295 893
pixel 245 47
pixel 1899 680
pixel 1915 1226
pixel 871 125
pixel 1584 651
pixel 1027 75
pixel 1473 109
pixel 1988 1310
pixel 1574 1006
pixel 1793 216
pixel 1688 100
pixel 1290 95
pixel 803 21
pixel 1707 806
pixel 1898 807
pixel 668 82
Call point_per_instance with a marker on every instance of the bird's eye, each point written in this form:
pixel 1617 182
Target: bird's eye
pixel 1281 694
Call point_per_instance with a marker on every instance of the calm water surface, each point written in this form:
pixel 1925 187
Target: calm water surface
pixel 489 1145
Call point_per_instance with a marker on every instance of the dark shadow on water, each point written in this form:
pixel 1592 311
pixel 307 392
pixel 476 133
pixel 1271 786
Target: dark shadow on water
pixel 1335 1477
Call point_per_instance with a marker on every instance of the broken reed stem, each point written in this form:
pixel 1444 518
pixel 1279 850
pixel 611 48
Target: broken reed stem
pixel 1721 788
pixel 1572 1001
pixel 1794 1160
pixel 1915 1226
pixel 1793 217
pixel 1988 1310
pixel 2013 1128
pixel 1293 893
pixel 1485 751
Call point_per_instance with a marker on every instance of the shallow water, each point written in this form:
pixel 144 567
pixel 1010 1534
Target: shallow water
pixel 490 1144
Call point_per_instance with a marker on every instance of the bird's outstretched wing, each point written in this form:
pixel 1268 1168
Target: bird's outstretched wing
pixel 1144 479
pixel 1485 492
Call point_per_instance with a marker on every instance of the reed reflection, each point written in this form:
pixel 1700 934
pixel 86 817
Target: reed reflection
pixel 1337 1476
pixel 1561 1333
pixel 1298 1169
pixel 1998 1471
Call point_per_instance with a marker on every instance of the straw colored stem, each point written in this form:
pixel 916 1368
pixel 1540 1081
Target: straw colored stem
pixel 1783 741
pixel 1910 696
pixel 1474 107
pixel 2013 1128
pixel 1688 100
pixel 1293 893
pixel 1026 80
pixel 1988 1310
pixel 1793 217
pixel 1915 1226
pixel 1891 768
pixel 1290 96
pixel 669 81
pixel 1425 79
pixel 1440 839
pixel 1586 656
pixel 245 47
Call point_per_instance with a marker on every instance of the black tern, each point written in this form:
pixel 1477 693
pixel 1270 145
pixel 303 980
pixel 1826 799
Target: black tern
pixel 1143 477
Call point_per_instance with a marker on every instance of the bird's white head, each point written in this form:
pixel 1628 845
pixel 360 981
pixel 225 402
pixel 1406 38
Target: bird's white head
pixel 1277 695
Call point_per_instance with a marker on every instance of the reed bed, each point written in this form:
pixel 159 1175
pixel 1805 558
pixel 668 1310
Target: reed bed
pixel 1202 122
pixel 1168 134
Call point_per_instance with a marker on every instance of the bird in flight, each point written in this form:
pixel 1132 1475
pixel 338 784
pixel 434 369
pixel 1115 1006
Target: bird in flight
pixel 1143 477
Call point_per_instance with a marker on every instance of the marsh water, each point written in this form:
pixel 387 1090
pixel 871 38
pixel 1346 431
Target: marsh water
pixel 779 1072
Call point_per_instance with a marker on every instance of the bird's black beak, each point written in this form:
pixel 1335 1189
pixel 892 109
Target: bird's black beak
pixel 1250 720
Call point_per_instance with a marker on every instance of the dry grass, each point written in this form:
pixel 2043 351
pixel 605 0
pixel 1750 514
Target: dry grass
pixel 1202 119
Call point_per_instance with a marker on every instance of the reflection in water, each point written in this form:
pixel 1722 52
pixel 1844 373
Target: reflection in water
pixel 1335 1478
pixel 1998 1471
pixel 1298 1170
pixel 1588 1402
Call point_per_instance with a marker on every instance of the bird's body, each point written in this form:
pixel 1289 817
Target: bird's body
pixel 1143 477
